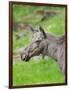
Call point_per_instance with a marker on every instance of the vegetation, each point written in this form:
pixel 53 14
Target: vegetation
pixel 36 71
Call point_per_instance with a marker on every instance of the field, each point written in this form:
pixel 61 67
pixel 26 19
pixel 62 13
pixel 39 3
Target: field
pixel 39 71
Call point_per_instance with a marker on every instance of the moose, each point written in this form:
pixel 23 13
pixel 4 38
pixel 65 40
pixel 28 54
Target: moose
pixel 49 45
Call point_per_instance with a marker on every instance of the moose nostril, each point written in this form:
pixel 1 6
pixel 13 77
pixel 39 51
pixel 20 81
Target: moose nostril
pixel 24 57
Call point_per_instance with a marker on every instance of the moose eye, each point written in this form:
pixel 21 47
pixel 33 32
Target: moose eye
pixel 37 31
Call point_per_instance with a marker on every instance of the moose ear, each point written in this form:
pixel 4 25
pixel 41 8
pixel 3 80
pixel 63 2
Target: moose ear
pixel 31 28
pixel 42 30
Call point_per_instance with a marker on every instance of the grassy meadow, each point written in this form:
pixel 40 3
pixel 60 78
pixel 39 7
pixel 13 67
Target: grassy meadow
pixel 36 71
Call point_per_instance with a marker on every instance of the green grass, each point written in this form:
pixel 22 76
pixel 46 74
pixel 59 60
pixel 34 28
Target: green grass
pixel 42 71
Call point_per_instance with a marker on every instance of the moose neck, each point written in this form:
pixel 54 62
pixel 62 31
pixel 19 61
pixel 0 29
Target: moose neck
pixel 53 44
pixel 52 49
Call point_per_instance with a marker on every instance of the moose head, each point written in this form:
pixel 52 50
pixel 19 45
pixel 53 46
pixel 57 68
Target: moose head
pixel 39 43
pixel 35 48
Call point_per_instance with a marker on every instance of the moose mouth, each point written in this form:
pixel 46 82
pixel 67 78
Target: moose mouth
pixel 25 58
